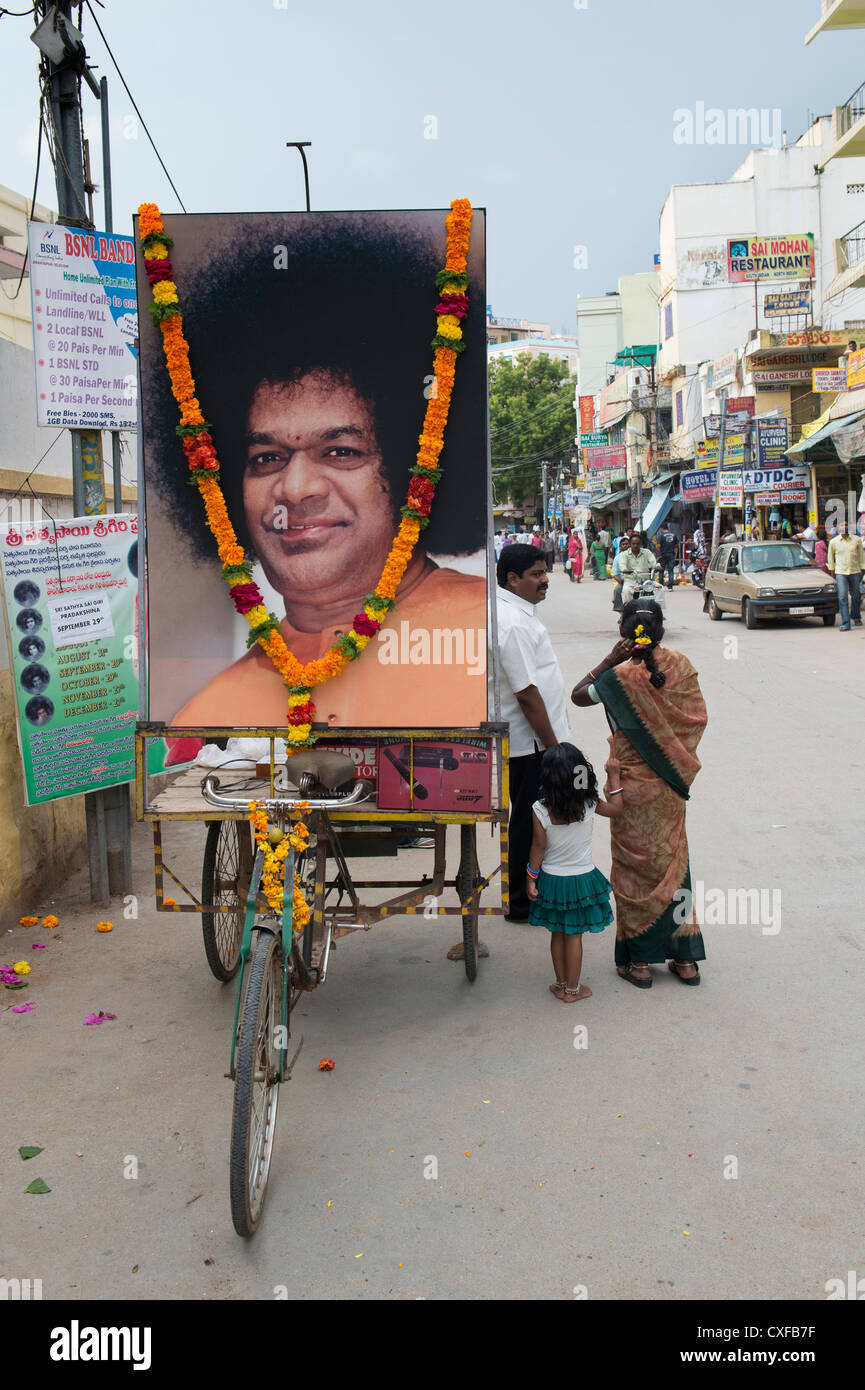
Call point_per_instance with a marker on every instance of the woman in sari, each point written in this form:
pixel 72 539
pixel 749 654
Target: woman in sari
pixel 657 715
pixel 599 559
pixel 575 555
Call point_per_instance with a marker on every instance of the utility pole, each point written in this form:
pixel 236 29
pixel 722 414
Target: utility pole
pixel 722 440
pixel 107 812
pixel 545 492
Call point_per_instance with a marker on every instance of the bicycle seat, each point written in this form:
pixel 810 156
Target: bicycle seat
pixel 320 772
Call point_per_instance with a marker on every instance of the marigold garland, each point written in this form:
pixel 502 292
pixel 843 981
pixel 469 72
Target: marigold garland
pixel 273 873
pixel 198 446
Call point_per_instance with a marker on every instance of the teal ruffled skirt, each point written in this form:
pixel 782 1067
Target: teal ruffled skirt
pixel 572 903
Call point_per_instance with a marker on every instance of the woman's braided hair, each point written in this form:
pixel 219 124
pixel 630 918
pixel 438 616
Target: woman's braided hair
pixel 642 618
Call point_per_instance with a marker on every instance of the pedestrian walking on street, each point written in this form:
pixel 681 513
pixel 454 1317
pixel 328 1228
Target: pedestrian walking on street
pixel 652 699
pixel 846 561
pixel 599 559
pixel 575 555
pixel 667 554
pixel 568 895
pixel 821 550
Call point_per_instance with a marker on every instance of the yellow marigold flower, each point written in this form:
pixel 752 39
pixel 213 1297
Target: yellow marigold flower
pixel 168 902
pixel 21 968
pixel 27 921
pixel 165 292
pixel 50 922
pixel 105 926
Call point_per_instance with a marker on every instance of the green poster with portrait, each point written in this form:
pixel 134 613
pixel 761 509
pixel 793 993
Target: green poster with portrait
pixel 70 592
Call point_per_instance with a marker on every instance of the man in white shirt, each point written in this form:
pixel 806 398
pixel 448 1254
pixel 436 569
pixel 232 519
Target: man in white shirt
pixel 533 700
pixel 807 539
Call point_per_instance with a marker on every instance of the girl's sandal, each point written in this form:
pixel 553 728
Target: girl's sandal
pixel 626 972
pixel 574 996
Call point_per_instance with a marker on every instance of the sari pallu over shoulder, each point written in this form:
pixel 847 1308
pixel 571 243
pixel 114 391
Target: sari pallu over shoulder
pixel 664 726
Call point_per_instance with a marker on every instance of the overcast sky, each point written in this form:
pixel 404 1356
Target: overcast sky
pixel 556 116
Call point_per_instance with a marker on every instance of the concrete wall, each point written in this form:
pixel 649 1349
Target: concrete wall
pixel 639 299
pixel 599 333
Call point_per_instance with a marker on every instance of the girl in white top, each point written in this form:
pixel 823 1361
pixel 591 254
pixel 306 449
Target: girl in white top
pixel 567 894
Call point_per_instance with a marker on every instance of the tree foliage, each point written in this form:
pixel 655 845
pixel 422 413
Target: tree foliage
pixel 531 419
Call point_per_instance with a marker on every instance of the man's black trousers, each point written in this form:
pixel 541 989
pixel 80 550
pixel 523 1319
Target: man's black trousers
pixel 525 779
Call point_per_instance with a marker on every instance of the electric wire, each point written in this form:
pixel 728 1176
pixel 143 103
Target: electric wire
pixel 135 106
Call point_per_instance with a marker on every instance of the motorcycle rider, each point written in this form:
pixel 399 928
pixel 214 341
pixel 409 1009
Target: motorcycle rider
pixel 635 564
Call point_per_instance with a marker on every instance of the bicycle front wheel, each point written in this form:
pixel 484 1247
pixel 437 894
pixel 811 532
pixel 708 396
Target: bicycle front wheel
pixel 256 1087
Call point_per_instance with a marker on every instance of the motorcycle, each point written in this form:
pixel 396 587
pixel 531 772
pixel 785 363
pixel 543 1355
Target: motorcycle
pixel 698 571
pixel 650 588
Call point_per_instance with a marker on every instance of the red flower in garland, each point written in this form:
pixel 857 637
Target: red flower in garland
pixel 200 452
pixel 301 714
pixel 420 495
pixel 456 304
pixel 158 270
pixel 365 626
pixel 245 596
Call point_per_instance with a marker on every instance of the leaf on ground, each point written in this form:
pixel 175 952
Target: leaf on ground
pixel 37 1187
pixel 29 1150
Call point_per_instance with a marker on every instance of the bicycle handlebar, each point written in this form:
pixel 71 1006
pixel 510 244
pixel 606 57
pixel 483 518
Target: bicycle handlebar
pixel 210 785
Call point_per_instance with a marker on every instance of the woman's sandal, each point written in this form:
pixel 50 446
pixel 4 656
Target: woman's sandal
pixel 557 987
pixel 574 996
pixel 686 979
pixel 626 972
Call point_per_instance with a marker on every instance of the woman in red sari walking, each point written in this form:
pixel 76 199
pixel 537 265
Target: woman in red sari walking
pixel 657 715
pixel 575 555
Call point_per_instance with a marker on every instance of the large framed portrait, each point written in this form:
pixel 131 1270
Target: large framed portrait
pixel 310 343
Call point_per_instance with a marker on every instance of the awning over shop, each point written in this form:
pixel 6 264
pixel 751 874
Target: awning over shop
pixel 825 433
pixel 608 499
pixel 656 509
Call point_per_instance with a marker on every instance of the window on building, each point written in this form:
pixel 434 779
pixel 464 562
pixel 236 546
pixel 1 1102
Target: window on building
pixel 668 320
pixel 680 407
pixel 804 407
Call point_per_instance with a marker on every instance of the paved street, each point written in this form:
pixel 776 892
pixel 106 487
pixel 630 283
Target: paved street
pixel 601 1166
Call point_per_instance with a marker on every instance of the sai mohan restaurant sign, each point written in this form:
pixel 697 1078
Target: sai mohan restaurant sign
pixel 770 258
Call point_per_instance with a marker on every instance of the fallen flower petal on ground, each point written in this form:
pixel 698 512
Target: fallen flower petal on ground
pixel 94 1019
pixel 326 1064
pixel 21 967
pixel 21 1008
pixel 39 946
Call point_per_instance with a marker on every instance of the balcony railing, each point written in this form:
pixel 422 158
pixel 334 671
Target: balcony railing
pixel 850 112
pixel 850 249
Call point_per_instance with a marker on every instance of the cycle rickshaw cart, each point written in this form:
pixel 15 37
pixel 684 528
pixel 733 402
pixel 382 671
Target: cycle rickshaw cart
pixel 246 941
pixel 309 340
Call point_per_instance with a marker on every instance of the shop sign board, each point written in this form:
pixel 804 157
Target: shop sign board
pixel 791 475
pixel 787 302
pixel 722 371
pixel 587 414
pixel 707 450
pixel 611 456
pixel 856 369
pixel 594 439
pixel 786 257
pixel 85 317
pixel 731 487
pixel 699 486
pixel 828 379
pixel 772 442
